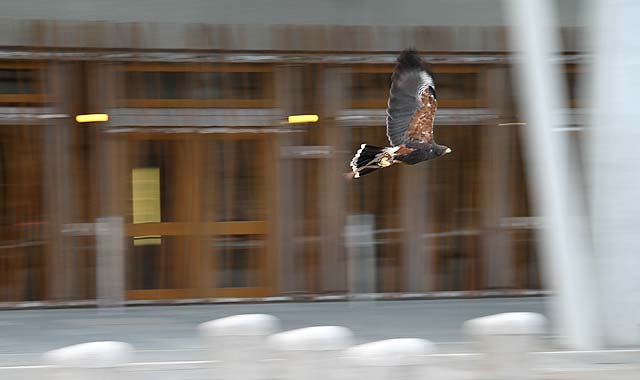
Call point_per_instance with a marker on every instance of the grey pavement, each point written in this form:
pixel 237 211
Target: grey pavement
pixel 167 345
pixel 169 332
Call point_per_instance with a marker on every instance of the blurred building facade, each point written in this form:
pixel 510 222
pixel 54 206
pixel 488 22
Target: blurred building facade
pixel 220 197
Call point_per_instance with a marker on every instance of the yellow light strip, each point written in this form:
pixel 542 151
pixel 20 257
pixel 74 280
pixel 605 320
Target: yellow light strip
pixel 303 119
pixel 92 118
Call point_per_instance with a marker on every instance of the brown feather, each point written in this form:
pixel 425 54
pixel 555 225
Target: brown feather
pixel 404 150
pixel 421 124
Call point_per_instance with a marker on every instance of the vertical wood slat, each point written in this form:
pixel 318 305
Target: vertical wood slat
pixel 271 262
pixel 333 190
pixel 197 274
pixel 499 264
pixel 288 100
pixel 413 205
pixel 56 151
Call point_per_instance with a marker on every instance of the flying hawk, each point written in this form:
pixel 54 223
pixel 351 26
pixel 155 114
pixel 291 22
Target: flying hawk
pixel 411 111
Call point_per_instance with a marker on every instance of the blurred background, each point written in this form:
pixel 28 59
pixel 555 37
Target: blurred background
pixel 219 196
pixel 189 184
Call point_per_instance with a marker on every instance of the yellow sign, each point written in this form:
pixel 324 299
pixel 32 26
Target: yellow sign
pixel 145 184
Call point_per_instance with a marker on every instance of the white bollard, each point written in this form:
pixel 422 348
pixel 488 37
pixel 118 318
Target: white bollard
pixel 90 361
pixel 391 359
pixel 310 353
pixel 236 344
pixel 506 341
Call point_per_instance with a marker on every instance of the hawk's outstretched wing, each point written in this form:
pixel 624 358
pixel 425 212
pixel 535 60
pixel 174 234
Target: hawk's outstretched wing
pixel 412 101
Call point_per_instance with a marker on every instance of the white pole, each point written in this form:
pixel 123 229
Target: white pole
pixel 613 160
pixel 565 250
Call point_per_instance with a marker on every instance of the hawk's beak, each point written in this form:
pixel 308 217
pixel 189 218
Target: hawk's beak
pixel 447 151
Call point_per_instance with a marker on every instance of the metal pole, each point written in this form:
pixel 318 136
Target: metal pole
pixel 565 253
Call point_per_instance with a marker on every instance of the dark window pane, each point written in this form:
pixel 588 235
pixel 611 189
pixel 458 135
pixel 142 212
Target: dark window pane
pixel 196 85
pixel 21 81
pixel 158 266
pixel 208 85
pixel 370 86
pixel 238 259
pixel 246 85
pixel 234 182
pixel 456 86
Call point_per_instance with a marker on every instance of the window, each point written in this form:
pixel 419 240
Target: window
pixel 457 86
pixel 217 86
pixel 239 258
pixel 20 83
pixel 370 86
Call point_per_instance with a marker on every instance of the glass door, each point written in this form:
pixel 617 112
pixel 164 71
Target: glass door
pixel 237 182
pixel 198 225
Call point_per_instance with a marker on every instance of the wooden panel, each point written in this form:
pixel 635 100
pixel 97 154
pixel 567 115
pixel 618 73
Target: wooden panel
pixel 235 228
pixel 165 229
pixel 159 294
pixel 198 103
pixel 213 228
pixel 197 67
pixel 22 98
pixel 22 82
pixel 142 135
pixel 372 69
pixel 238 292
pixel 22 65
pixel 197 86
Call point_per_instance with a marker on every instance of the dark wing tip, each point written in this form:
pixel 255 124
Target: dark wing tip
pixel 409 59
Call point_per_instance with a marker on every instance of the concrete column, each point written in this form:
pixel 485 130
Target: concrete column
pixel 565 253
pixel 612 162
pixel 110 261
pixel 361 253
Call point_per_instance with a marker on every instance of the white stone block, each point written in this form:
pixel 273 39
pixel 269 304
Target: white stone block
pixel 310 353
pixel 506 340
pixel 241 325
pixel 390 359
pixel 90 361
pixel 236 344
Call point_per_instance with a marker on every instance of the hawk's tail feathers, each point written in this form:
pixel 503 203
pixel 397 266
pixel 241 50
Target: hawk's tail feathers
pixel 368 159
